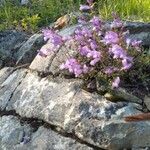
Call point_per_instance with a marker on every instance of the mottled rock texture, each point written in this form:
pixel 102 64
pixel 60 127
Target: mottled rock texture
pixel 62 103
pixel 17 136
pixel 42 110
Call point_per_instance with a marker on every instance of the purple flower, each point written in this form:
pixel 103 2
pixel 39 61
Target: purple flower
pixel 47 34
pixel 85 7
pixel 117 51
pixel 94 61
pixel 111 38
pixel 115 83
pixel 56 40
pixel 93 44
pixel 96 22
pixel 127 63
pixel 52 37
pixel 46 50
pixel 117 23
pixel 73 66
pixel 110 70
pixel 86 32
pixel 84 50
pixel 94 54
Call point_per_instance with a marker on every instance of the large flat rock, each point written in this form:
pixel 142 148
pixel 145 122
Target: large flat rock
pixel 89 116
pixel 42 98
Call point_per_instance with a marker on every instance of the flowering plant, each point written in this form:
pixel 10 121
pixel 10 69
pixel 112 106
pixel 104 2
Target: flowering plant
pixel 100 51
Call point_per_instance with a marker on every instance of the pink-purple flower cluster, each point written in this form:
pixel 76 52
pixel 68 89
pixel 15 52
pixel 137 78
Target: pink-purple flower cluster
pixel 74 67
pixel 54 42
pixel 99 50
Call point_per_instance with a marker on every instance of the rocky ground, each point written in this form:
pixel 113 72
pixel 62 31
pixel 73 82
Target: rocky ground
pixel 40 110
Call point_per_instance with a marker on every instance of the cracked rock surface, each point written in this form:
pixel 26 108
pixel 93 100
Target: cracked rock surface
pixel 23 137
pixel 62 103
pixel 41 110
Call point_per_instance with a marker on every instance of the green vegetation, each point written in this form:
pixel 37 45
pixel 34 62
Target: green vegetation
pixel 39 13
pixel 36 14
pixel 137 10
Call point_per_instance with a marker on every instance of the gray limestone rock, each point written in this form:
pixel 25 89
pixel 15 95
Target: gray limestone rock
pixel 16 136
pixel 90 117
pixel 4 73
pixel 8 85
pixel 12 133
pixel 147 101
pixel 10 42
pixel 28 50
pixel 1 64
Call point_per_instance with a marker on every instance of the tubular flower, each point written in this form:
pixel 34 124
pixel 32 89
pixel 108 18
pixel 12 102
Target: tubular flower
pixel 73 66
pixel 111 38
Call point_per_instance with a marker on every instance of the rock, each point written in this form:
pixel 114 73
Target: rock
pixel 8 85
pixel 45 139
pixel 93 119
pixel 143 36
pixel 121 95
pixel 38 98
pixel 147 102
pixel 1 64
pixel 24 2
pixel 28 50
pixel 14 135
pixel 4 73
pixel 137 27
pixel 10 42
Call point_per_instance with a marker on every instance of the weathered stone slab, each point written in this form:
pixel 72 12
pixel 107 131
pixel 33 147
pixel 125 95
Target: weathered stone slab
pixel 28 50
pixel 12 133
pixel 10 42
pixel 9 85
pixel 4 73
pixel 45 139
pixel 143 36
pixel 42 64
pixel 91 117
pixel 16 136
pixel 115 134
pixel 42 98
pixel 147 101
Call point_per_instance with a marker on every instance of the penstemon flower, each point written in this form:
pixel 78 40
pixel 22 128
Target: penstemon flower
pixel 111 38
pixel 100 51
